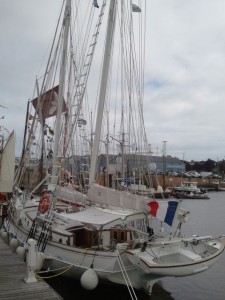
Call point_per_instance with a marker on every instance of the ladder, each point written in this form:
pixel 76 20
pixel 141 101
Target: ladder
pixel 45 232
pixel 83 74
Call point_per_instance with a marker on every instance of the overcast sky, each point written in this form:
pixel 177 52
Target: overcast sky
pixel 185 71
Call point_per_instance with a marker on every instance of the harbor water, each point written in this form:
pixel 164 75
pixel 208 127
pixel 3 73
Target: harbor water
pixel 207 217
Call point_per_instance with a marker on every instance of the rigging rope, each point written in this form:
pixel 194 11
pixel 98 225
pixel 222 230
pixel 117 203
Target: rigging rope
pixel 126 277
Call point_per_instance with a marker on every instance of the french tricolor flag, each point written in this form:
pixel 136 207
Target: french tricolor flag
pixel 163 210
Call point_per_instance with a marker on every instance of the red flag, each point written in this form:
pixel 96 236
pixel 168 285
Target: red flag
pixel 153 208
pixel 49 103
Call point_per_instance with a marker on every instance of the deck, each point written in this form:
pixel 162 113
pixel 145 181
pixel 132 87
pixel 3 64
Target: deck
pixel 12 284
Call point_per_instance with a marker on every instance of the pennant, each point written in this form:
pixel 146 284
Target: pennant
pixel 51 131
pixel 82 122
pixel 95 3
pixel 135 8
pixel 3 106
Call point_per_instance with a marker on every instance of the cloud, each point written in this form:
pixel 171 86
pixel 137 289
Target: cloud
pixel 185 74
pixel 184 70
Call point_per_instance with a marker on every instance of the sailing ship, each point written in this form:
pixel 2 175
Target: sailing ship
pixel 104 234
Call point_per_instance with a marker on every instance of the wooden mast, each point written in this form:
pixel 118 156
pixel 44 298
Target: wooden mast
pixel 66 22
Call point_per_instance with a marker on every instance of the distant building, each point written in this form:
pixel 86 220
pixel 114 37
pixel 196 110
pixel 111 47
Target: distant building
pixel 172 164
pixel 132 162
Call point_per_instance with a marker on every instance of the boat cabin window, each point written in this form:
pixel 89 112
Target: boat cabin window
pixel 118 234
pixel 85 237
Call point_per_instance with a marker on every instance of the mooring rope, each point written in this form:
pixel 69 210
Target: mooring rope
pixel 126 277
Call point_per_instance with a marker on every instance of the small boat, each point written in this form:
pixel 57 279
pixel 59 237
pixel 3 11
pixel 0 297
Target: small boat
pixel 191 195
pixel 221 186
pixel 141 189
pixel 189 190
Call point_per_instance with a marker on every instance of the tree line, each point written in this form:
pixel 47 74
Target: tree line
pixel 206 166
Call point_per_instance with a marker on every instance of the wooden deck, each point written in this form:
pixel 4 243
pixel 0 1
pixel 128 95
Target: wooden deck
pixel 12 284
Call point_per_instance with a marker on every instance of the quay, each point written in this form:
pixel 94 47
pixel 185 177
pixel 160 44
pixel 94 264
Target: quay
pixel 12 284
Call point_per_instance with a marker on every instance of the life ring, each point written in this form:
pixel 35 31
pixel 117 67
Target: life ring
pixel 2 197
pixel 44 204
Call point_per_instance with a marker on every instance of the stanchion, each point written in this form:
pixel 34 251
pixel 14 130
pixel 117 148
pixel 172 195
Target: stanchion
pixel 31 262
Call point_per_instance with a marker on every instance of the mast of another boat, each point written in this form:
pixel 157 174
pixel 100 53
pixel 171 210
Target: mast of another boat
pixel 56 154
pixel 103 85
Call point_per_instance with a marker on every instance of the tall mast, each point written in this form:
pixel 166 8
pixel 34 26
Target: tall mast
pixel 66 22
pixel 104 79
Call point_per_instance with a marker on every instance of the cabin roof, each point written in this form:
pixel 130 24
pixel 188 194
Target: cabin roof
pixel 102 217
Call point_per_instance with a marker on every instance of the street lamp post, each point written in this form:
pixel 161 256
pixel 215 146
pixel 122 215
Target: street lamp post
pixel 1 136
pixel 164 164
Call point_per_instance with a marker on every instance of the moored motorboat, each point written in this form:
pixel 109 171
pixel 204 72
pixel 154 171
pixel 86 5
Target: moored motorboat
pixel 189 190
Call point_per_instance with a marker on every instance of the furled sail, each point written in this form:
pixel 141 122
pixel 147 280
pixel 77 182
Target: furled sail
pixel 7 165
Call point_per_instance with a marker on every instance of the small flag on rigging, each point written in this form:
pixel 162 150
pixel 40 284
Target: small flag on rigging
pixel 95 3
pixel 135 8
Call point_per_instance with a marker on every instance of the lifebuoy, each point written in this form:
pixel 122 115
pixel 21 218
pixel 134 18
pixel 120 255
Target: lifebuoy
pixel 44 204
pixel 2 197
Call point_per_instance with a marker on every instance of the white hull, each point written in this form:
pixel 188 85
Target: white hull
pixel 175 257
pixel 105 263
pixel 180 262
pixel 221 189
